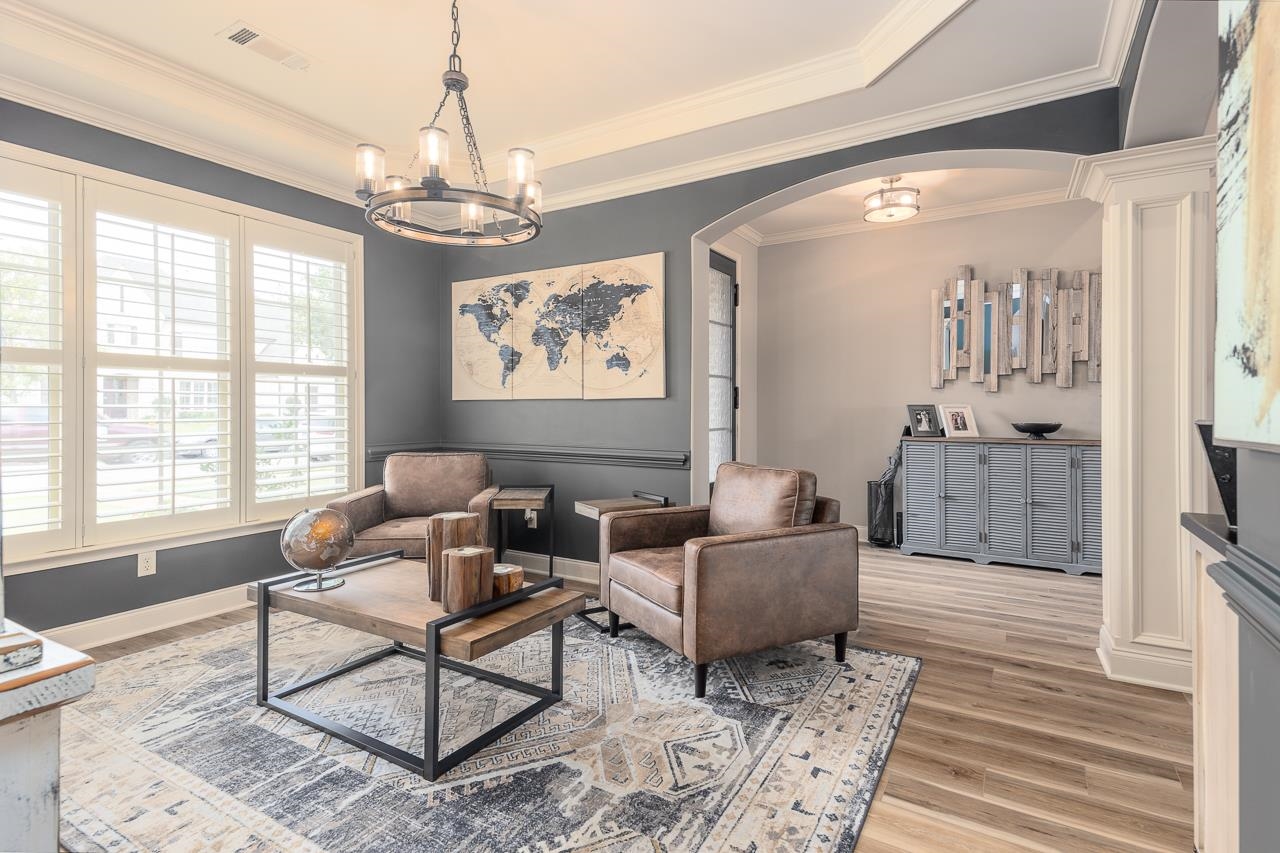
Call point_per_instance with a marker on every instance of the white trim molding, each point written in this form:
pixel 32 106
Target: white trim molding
pixel 165 103
pixel 144 620
pixel 583 571
pixel 1157 321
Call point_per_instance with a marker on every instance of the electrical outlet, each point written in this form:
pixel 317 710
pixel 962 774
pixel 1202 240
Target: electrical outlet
pixel 146 563
pixel 531 519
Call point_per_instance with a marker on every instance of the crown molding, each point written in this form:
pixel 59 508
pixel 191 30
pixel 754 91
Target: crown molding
pixel 936 214
pixel 902 30
pixel 751 235
pixel 1097 177
pixel 327 148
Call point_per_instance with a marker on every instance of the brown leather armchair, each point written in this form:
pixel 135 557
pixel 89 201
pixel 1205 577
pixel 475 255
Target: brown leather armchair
pixel 414 486
pixel 766 564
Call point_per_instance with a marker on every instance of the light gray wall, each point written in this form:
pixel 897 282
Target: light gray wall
pixel 664 221
pixel 844 339
pixel 401 388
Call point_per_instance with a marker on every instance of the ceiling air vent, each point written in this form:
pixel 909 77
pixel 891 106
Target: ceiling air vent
pixel 264 45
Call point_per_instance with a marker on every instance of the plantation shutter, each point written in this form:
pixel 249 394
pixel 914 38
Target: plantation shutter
pixel 161 364
pixel 37 357
pixel 303 376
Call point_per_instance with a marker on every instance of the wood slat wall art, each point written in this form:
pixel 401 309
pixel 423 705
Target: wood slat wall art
pixel 1048 304
pixel 935 338
pixel 1095 327
pixel 1054 325
pixel 964 283
pixel 975 334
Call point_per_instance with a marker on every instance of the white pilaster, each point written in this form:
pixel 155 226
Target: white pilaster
pixel 1157 325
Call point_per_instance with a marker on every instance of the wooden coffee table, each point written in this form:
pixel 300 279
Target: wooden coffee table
pixel 387 596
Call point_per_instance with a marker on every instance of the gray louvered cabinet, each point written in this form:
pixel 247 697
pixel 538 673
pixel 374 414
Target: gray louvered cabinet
pixel 922 488
pixel 1035 503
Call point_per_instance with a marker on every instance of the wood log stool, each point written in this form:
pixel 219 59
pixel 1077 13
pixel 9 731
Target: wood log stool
pixel 447 530
pixel 468 577
pixel 507 578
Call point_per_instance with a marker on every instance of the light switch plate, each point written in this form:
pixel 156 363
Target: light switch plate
pixel 146 563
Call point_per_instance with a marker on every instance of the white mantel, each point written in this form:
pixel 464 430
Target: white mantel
pixel 1157 333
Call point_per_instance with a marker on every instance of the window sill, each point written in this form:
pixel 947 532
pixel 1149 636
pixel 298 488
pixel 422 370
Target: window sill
pixel 93 553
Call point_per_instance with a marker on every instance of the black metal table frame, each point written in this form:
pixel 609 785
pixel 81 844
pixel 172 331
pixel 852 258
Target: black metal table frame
pixel 549 507
pixel 431 764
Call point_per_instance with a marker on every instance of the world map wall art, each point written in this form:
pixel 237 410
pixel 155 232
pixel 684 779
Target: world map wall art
pixel 1246 375
pixel 584 332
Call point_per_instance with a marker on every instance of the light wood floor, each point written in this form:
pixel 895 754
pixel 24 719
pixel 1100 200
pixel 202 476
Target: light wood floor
pixel 1014 739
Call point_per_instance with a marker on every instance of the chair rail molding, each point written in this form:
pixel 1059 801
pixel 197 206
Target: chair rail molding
pixel 1157 309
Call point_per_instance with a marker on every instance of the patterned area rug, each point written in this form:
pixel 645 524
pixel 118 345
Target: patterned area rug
pixel 171 753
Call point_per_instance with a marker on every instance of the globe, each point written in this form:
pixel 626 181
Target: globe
pixel 316 540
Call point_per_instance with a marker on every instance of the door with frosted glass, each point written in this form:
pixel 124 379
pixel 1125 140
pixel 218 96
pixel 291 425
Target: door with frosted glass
pixel 722 364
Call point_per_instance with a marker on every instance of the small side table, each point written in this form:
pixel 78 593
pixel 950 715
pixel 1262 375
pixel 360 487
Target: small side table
pixel 593 509
pixel 537 498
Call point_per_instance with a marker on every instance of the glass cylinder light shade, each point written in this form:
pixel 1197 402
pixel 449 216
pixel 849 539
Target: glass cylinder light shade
pixel 533 196
pixel 472 218
pixel 520 171
pixel 433 154
pixel 371 165
pixel 398 211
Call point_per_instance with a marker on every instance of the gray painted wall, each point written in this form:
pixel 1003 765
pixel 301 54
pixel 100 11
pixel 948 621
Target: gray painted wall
pixel 665 220
pixel 838 379
pixel 401 388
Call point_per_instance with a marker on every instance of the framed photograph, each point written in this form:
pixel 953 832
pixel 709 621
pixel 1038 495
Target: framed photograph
pixel 924 421
pixel 958 421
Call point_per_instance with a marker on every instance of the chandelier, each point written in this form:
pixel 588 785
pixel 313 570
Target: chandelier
pixel 891 204
pixel 485 218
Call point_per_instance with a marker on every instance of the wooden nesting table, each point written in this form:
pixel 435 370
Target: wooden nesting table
pixel 387 596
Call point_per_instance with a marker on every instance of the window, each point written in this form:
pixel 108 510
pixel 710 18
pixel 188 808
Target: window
pixel 208 380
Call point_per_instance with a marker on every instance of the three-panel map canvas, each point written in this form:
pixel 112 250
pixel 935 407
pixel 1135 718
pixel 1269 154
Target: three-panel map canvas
pixel 585 332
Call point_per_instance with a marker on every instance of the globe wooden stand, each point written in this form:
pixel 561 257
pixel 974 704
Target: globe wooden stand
pixel 447 530
pixel 507 578
pixel 468 577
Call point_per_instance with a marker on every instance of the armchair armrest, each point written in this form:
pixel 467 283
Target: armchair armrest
pixel 480 505
pixel 365 508
pixel 750 591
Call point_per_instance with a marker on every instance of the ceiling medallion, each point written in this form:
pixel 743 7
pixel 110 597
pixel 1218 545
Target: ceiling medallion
pixel 486 218
pixel 891 204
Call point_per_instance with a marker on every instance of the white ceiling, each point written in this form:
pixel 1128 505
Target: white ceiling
pixel 616 98
pixel 944 194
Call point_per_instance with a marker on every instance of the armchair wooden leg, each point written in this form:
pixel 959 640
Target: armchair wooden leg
pixel 699 680
pixel 613 624
pixel 842 642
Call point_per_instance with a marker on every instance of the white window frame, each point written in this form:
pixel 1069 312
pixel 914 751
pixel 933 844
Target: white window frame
pixel 75 543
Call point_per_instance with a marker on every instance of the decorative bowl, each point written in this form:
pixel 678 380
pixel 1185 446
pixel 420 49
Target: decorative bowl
pixel 1036 429
pixel 314 541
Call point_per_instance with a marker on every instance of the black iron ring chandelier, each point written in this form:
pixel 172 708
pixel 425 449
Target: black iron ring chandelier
pixel 485 218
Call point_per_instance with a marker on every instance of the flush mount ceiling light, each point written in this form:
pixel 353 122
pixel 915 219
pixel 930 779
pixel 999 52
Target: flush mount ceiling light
pixel 891 204
pixel 487 219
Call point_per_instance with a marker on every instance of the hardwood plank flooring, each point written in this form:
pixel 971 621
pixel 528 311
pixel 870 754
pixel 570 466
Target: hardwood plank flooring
pixel 1014 739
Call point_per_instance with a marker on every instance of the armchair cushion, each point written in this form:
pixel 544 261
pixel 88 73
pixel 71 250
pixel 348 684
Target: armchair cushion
pixel 409 534
pixel 631 530
pixel 422 484
pixel 655 573
pixel 749 498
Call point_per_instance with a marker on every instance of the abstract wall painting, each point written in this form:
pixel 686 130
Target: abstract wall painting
pixel 584 332
pixel 1247 349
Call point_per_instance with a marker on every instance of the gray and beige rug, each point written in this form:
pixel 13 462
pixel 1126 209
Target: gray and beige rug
pixel 171 753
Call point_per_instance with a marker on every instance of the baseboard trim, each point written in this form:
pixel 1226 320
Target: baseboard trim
pixel 144 620
pixel 1167 669
pixel 566 567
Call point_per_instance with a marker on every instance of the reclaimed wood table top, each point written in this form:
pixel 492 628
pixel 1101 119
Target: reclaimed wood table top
pixel 521 497
pixel 390 600
pixel 600 506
